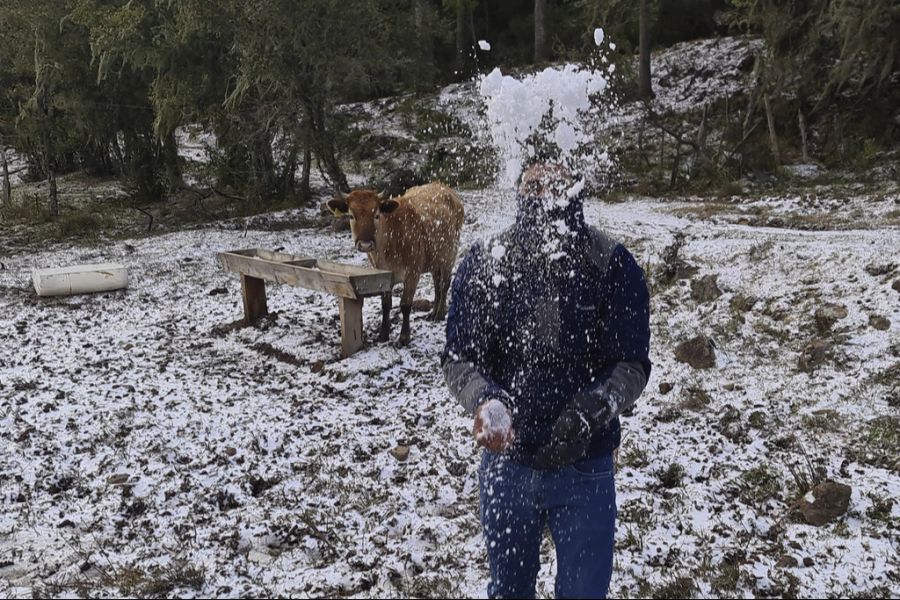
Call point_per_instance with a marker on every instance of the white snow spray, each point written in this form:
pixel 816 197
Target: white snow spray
pixel 557 112
pixel 556 118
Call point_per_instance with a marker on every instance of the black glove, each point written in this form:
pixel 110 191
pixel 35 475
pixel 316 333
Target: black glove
pixel 571 437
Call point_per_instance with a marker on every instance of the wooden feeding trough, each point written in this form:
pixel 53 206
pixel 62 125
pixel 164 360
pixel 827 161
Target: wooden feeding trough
pixel 350 284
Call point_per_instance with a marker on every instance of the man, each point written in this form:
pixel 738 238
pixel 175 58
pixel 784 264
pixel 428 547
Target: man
pixel 547 344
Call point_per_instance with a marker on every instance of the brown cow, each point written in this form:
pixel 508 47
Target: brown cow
pixel 412 234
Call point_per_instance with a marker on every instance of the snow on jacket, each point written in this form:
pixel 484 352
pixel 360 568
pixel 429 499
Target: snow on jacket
pixel 549 308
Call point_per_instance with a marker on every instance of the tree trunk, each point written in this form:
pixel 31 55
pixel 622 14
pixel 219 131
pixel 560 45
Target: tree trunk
pixel 839 135
pixel 48 168
pixel 305 192
pixel 460 35
pixel 802 123
pixel 426 44
pixel 753 96
pixel 700 154
pixel 174 178
pixel 773 137
pixel 724 135
pixel 7 189
pixel 54 197
pixel 324 146
pixel 265 166
pixel 472 31
pixel 540 31
pixel 676 164
pixel 290 170
pixel 662 149
pixel 42 97
pixel 117 157
pixel 645 87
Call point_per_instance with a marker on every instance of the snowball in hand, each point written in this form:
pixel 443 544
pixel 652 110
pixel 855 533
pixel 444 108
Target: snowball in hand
pixel 484 45
pixel 495 418
pixel 598 36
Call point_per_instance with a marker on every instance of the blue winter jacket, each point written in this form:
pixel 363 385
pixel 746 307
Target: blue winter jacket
pixel 534 332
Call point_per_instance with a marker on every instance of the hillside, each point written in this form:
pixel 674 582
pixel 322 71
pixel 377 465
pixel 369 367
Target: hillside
pixel 153 448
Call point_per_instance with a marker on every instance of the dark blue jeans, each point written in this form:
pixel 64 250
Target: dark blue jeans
pixel 578 503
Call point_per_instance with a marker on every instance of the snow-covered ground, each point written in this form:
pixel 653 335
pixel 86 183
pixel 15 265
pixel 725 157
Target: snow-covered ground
pixel 148 451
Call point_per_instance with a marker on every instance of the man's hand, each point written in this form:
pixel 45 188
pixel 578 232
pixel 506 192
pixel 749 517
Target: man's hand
pixel 573 430
pixel 493 426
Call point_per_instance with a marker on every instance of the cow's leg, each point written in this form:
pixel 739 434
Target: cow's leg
pixel 410 282
pixel 385 333
pixel 440 294
pixel 446 275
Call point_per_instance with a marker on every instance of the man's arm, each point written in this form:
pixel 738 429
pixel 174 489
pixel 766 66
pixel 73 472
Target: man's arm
pixel 469 323
pixel 626 334
pixel 468 337
pixel 627 337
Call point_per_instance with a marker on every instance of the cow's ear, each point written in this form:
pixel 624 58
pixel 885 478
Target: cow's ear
pixel 338 206
pixel 388 206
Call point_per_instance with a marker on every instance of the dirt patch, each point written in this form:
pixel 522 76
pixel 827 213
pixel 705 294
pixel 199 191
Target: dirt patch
pixel 280 355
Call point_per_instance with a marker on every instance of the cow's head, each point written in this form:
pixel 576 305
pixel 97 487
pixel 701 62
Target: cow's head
pixel 365 208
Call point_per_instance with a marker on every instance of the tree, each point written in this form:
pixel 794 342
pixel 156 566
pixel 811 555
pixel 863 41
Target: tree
pixel 295 62
pixel 39 120
pixel 424 26
pixel 540 31
pixel 645 88
pixel 821 48
pixel 167 65
pixel 827 61
pixel 7 190
pixel 464 32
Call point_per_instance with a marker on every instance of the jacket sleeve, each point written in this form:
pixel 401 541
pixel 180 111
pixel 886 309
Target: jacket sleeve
pixel 468 337
pixel 627 338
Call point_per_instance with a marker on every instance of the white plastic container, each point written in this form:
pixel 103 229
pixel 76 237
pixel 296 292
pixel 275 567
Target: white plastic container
pixel 80 279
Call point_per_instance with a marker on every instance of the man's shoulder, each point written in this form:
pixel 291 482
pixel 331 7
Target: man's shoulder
pixel 494 247
pixel 602 247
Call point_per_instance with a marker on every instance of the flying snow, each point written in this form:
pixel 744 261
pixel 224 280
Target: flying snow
pixel 518 109
pixel 484 45
pixel 598 36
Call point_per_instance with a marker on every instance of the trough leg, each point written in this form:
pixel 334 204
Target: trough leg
pixel 351 326
pixel 254 291
pixel 386 301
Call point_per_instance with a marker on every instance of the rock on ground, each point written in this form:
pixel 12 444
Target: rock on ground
pixel 831 500
pixel 697 352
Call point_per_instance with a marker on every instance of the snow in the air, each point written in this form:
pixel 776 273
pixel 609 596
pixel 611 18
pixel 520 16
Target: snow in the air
pixel 598 37
pixel 556 103
pixel 484 45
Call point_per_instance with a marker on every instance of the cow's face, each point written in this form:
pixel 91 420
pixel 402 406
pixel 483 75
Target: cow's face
pixel 365 208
